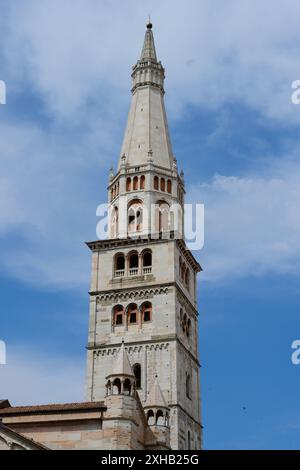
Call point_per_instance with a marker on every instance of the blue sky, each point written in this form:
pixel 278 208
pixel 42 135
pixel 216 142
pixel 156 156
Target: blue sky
pixel 235 133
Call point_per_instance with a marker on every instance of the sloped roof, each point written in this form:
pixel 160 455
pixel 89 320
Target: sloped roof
pixel 155 398
pixel 121 364
pixel 51 408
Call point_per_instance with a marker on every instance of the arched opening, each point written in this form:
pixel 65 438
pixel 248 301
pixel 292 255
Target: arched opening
pixel 160 420
pixel 135 217
pixel 117 387
pixel 146 312
pixel 118 315
pixel 147 262
pixel 128 184
pixel 138 374
pixel 135 183
pixel 127 387
pixel 114 223
pixel 142 182
pixel 162 184
pixel 189 440
pixel 150 418
pixel 119 265
pixel 188 386
pixel 133 264
pixel 162 217
pixel 156 182
pixel 169 186
pixel 132 314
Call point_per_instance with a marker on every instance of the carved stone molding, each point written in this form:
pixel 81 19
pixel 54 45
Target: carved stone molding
pixel 146 294
pixel 131 349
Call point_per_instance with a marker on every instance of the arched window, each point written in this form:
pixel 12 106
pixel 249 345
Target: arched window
pixel 146 312
pixel 150 418
pixel 135 183
pixel 127 387
pixel 128 184
pixel 117 387
pixel 119 265
pixel 118 315
pixel 133 259
pixel 188 386
pixel 160 420
pixel 147 262
pixel 135 216
pixel 162 217
pixel 132 314
pixel 156 181
pixel 138 374
pixel 142 182
pixel 162 184
pixel 169 186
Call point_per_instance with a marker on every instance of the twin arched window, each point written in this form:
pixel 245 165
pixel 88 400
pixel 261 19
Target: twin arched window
pixel 157 418
pixel 185 323
pixel 135 216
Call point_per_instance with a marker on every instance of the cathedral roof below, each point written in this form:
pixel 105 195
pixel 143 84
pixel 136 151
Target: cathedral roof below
pixel 13 410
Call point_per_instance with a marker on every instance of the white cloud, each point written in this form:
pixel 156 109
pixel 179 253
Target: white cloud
pixel 77 51
pixel 76 55
pixel 252 224
pixel 28 379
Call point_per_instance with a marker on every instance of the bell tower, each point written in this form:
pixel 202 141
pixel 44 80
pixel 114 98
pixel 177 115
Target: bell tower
pixel 144 279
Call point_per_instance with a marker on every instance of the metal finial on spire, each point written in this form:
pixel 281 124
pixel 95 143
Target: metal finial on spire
pixel 149 24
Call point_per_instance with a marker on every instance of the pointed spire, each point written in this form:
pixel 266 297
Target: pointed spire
pixel 155 398
pixel 149 51
pixel 147 140
pixel 121 364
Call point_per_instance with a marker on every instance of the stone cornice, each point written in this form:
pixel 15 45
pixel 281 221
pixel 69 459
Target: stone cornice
pixel 124 242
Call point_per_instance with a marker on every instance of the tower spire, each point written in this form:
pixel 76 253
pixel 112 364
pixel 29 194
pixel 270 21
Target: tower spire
pixel 147 137
pixel 148 51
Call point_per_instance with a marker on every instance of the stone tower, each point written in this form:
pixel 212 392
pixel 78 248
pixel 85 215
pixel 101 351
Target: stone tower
pixel 144 279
